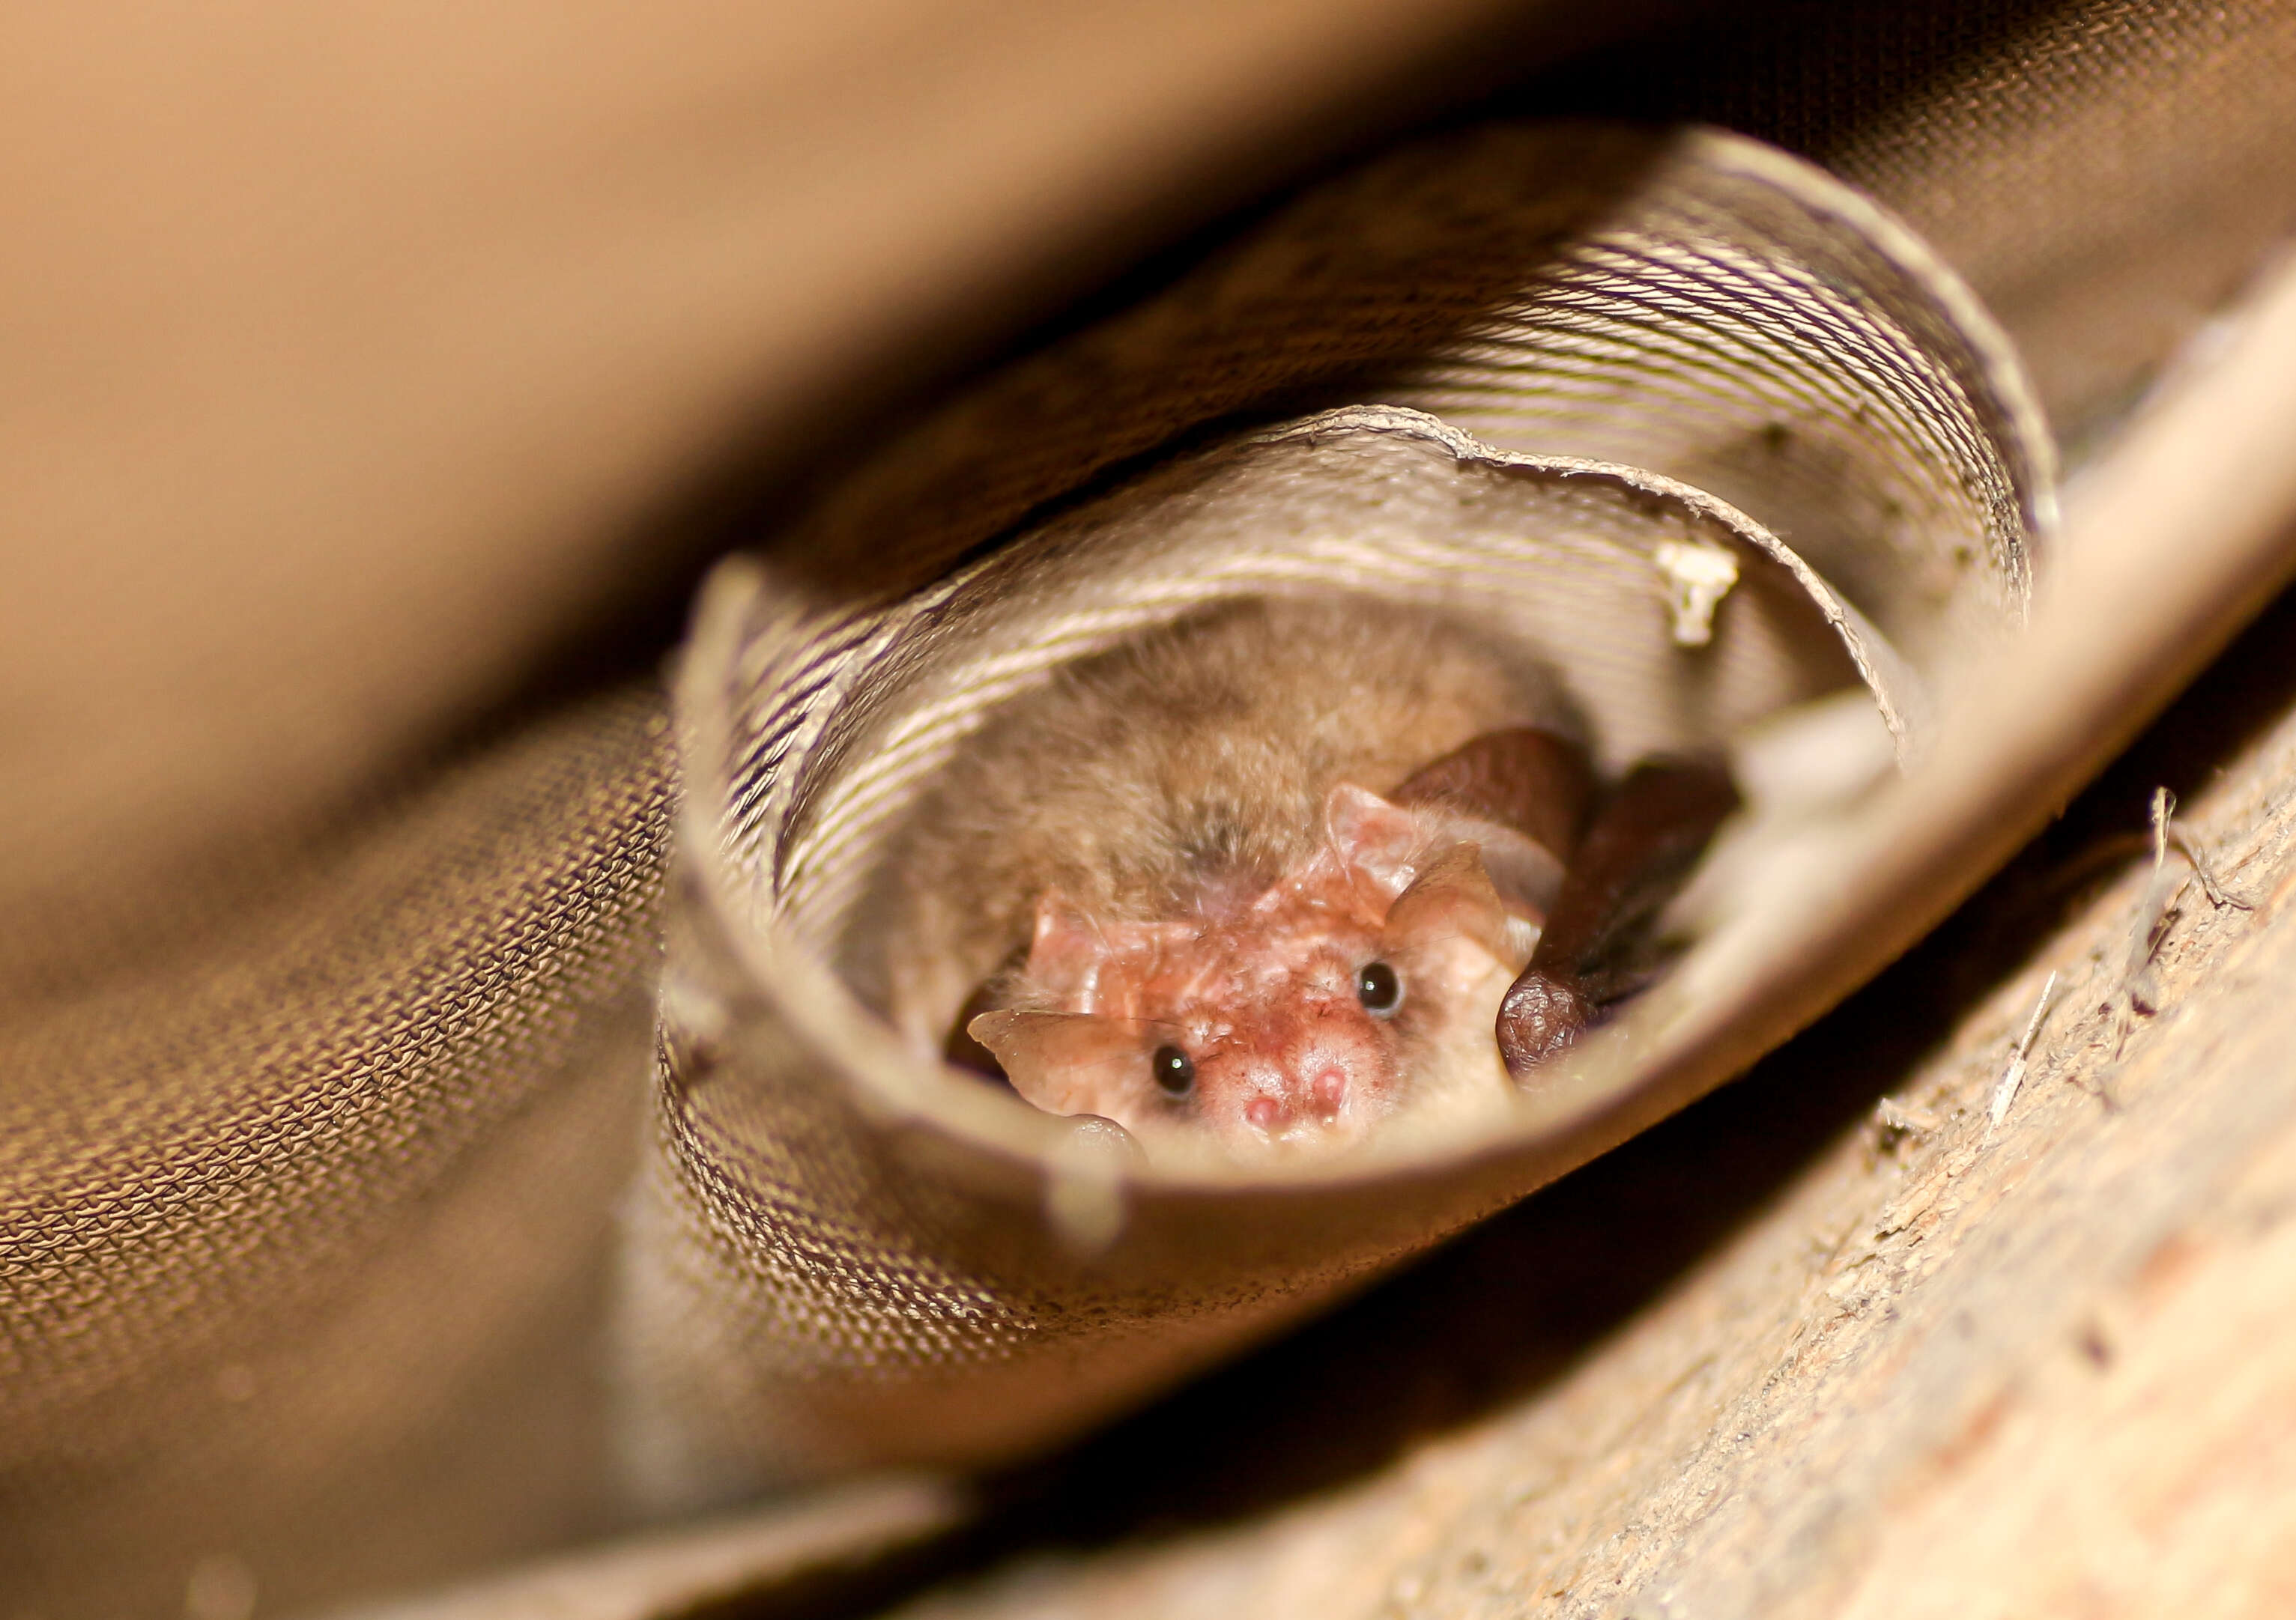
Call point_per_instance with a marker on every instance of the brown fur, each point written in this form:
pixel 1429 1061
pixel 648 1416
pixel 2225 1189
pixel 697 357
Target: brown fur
pixel 1159 777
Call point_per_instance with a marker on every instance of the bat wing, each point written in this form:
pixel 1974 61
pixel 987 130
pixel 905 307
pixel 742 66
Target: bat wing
pixel 1535 782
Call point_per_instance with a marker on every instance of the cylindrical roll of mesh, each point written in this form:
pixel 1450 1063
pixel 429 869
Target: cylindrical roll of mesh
pixel 1508 373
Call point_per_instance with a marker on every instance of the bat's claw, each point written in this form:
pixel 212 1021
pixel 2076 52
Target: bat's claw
pixel 1095 1134
pixel 1541 1014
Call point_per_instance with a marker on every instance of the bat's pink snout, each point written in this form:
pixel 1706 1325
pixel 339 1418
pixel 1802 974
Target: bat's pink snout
pixel 1321 1098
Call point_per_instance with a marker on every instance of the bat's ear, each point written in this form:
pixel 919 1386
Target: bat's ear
pixel 1376 842
pixel 1454 898
pixel 1526 873
pixel 1067 952
pixel 1391 846
pixel 1072 1063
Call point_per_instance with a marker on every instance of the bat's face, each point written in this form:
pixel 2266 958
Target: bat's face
pixel 1297 1019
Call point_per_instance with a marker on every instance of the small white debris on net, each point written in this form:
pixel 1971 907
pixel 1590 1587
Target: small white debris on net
pixel 1700 575
pixel 2005 1090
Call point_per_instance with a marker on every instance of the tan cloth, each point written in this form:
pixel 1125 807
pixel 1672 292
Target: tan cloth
pixel 1579 335
pixel 349 364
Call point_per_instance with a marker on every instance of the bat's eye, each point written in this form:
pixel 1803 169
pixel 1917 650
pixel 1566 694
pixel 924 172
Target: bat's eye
pixel 1175 1076
pixel 1380 989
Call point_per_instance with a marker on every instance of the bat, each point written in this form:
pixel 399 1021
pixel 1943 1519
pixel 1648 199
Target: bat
pixel 1273 878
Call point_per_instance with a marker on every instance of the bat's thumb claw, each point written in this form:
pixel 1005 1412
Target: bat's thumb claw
pixel 1541 1014
pixel 1094 1134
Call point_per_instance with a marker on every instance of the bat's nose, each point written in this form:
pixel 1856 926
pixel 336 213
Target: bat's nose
pixel 1319 1093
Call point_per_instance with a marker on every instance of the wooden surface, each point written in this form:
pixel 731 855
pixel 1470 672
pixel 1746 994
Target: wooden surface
pixel 1778 1359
